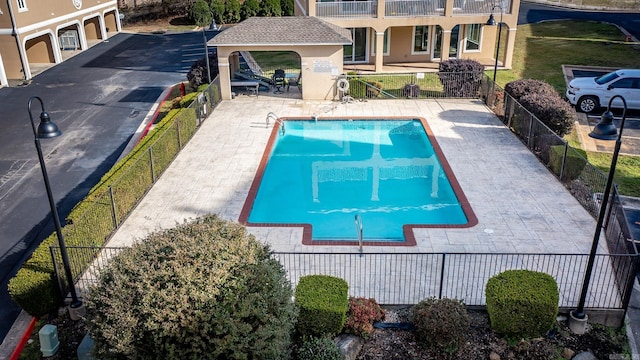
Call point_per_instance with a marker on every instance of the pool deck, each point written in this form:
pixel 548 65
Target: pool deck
pixel 521 207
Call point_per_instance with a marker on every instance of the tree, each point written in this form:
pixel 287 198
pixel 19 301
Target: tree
pixel 205 289
pixel 287 7
pixel 200 13
pixel 232 11
pixel 217 9
pixel 249 8
pixel 270 8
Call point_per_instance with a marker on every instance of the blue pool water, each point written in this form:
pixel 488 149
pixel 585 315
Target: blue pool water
pixel 324 173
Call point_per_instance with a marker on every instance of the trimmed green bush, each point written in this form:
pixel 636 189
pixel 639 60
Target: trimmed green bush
pixel 317 348
pixel 553 111
pixel 205 289
pixel 522 87
pixel 92 220
pixel 574 164
pixel 441 323
pixel 322 303
pixel 522 303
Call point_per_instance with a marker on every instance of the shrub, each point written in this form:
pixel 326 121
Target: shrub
pixel 411 91
pixel 522 87
pixel 205 289
pixel 317 348
pixel 522 303
pixel 553 111
pixel 322 302
pixel 91 221
pixel 373 89
pixel 441 323
pixel 461 77
pixel 573 165
pixel 361 316
pixel 197 75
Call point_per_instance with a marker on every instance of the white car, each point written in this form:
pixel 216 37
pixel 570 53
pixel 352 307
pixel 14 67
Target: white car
pixel 589 94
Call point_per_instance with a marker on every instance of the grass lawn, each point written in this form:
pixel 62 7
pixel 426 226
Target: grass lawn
pixel 541 50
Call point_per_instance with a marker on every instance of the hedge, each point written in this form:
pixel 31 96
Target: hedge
pixel 323 302
pixel 92 221
pixel 522 303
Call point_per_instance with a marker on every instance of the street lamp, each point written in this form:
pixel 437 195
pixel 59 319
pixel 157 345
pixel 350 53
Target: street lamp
pixel 45 130
pixel 605 130
pixel 492 22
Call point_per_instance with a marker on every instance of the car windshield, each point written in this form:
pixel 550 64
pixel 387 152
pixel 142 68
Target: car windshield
pixel 606 78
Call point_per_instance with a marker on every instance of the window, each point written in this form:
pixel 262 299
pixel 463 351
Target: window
pixel 472 37
pixel 626 83
pixel 420 39
pixel 385 42
pixel 22 5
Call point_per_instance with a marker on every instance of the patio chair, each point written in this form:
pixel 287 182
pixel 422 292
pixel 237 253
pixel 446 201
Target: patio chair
pixel 295 82
pixel 279 81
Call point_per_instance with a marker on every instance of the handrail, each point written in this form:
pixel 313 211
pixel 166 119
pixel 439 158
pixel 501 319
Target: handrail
pixel 276 120
pixel 358 223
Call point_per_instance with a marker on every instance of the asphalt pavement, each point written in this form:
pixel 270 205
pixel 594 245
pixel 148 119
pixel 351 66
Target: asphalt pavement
pixel 99 98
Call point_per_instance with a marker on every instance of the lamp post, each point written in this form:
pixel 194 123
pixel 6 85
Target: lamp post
pixel 492 22
pixel 45 130
pixel 605 130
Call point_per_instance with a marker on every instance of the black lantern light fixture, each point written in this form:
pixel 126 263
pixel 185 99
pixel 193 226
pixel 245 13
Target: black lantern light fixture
pixel 605 130
pixel 492 22
pixel 46 130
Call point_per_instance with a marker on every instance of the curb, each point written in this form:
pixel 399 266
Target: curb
pixel 15 355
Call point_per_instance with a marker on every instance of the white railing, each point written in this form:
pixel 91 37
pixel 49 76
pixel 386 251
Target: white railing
pixel 400 8
pixel 406 8
pixel 347 9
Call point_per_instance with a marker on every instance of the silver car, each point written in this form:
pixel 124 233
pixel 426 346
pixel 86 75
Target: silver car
pixel 588 94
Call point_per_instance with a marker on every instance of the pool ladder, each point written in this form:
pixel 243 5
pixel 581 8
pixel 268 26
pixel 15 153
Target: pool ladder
pixel 358 223
pixel 276 120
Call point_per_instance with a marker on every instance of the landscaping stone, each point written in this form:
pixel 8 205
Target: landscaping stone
pixel 349 346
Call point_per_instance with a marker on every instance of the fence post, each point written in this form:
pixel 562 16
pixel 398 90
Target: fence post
pixel 178 131
pixel 113 208
pixel 55 269
pixel 444 258
pixel 564 159
pixel 153 173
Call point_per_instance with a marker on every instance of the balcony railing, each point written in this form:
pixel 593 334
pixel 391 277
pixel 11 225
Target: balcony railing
pixel 347 9
pixel 402 8
pixel 405 8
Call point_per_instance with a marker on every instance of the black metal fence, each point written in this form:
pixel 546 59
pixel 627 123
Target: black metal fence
pixel 398 278
pixel 407 278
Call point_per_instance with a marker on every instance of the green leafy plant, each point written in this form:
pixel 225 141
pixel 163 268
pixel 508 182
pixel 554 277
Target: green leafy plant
pixel 441 323
pixel 361 316
pixel 317 348
pixel 205 289
pixel 522 303
pixel 323 302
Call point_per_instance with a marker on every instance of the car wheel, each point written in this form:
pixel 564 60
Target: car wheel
pixel 588 104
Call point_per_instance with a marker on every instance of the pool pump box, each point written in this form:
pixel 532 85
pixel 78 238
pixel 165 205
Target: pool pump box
pixel 49 342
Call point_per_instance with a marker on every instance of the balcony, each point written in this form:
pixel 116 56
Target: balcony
pixel 347 9
pixel 404 8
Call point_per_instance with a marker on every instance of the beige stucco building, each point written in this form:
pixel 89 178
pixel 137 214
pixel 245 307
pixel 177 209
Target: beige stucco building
pixel 335 37
pixel 34 33
pixel 413 32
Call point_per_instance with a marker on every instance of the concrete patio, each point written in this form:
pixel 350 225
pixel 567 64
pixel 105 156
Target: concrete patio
pixel 520 206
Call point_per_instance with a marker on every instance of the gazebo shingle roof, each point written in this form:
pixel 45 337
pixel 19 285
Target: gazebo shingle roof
pixel 289 30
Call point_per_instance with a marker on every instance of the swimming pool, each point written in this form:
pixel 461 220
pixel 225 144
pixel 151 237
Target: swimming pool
pixel 322 174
